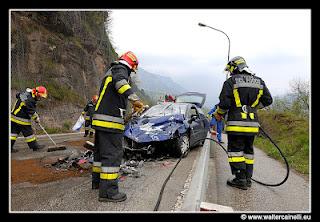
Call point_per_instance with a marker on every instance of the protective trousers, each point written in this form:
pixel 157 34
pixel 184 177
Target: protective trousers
pixel 88 126
pixel 27 132
pixel 240 155
pixel 107 159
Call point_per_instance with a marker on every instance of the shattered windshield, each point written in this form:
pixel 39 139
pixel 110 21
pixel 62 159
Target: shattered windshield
pixel 190 99
pixel 165 110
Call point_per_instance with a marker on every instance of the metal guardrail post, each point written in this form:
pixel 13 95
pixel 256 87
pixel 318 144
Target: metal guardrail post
pixel 199 182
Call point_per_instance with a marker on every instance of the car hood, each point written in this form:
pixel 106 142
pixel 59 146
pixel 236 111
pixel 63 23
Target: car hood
pixel 162 128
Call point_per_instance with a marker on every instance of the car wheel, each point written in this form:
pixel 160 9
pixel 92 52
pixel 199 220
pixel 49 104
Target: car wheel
pixel 182 146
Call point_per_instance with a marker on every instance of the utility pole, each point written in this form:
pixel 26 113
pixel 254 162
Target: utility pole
pixel 203 25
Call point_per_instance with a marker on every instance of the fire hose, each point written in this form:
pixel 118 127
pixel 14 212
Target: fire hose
pixel 255 180
pixel 282 155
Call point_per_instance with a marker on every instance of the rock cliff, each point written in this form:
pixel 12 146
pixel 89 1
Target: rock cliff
pixel 67 52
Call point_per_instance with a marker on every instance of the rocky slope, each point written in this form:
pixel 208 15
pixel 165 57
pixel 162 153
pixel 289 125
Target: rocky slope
pixel 66 51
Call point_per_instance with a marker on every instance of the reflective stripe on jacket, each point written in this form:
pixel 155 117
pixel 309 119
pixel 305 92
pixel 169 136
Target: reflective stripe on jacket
pixel 114 93
pixel 24 109
pixel 240 96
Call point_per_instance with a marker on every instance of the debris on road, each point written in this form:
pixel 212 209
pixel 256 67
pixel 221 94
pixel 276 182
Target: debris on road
pixel 131 168
pixel 166 163
pixel 84 161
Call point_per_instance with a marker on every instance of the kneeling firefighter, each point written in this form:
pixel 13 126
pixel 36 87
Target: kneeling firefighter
pixel 108 122
pixel 242 94
pixel 23 111
pixel 88 111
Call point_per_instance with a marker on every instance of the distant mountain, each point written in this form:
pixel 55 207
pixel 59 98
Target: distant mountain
pixel 156 85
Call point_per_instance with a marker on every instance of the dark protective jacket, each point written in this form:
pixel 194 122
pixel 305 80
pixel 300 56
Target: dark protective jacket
pixel 24 108
pixel 114 93
pixel 89 110
pixel 242 94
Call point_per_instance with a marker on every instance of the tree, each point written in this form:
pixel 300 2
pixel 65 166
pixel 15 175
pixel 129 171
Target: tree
pixel 300 90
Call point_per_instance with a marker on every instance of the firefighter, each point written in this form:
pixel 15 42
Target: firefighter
pixel 108 122
pixel 88 111
pixel 241 95
pixel 23 111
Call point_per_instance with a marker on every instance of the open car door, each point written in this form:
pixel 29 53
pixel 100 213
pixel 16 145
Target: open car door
pixel 192 97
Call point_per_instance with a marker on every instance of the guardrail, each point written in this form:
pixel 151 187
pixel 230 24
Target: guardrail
pixel 199 182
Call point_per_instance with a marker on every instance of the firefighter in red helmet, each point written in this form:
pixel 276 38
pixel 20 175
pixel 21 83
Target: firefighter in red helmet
pixel 108 122
pixel 88 111
pixel 23 111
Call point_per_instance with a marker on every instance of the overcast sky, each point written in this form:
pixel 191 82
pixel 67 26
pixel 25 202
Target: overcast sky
pixel 275 43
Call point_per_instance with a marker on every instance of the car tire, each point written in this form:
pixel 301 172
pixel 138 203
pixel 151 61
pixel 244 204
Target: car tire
pixel 182 146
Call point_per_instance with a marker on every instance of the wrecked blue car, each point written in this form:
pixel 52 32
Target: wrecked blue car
pixel 170 127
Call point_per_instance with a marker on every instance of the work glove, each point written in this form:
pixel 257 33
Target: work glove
pixel 83 113
pixel 137 105
pixel 217 116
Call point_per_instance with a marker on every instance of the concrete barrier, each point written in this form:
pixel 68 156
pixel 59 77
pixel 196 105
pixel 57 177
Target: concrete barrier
pixel 199 182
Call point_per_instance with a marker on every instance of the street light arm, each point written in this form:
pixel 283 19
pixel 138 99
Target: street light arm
pixel 203 25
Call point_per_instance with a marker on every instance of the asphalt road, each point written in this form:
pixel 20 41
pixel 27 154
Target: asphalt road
pixel 75 194
pixel 292 196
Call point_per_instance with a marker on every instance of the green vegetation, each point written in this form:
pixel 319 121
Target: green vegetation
pixel 290 133
pixel 75 40
pixel 62 93
pixel 53 130
pixel 21 84
pixel 67 125
pixel 52 40
pixel 287 123
pixel 66 128
pixel 49 67
pixel 94 21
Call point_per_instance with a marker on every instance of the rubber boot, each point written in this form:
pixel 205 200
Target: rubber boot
pixel 85 133
pixel 108 191
pixel 95 180
pixel 240 181
pixel 249 171
pixel 91 135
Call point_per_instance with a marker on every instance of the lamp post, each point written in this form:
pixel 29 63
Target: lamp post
pixel 203 25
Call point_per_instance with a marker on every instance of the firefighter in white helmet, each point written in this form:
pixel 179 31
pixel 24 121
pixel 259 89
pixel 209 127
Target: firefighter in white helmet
pixel 241 95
